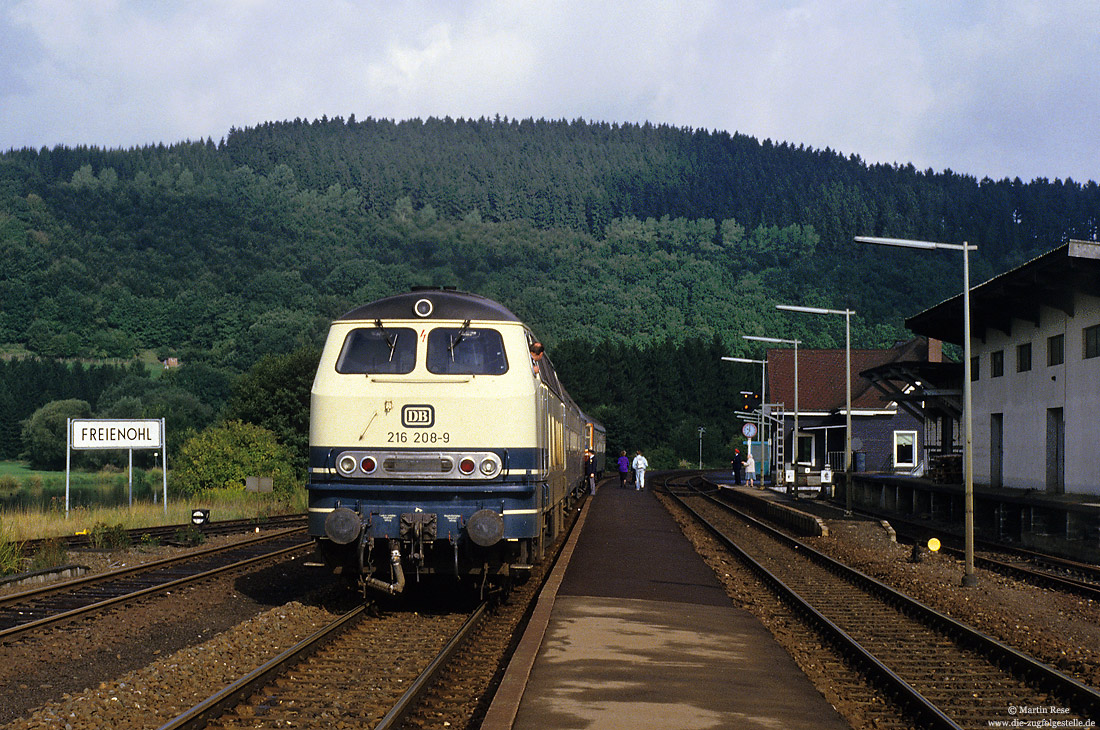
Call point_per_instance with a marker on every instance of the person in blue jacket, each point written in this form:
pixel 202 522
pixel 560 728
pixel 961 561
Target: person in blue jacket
pixel 624 468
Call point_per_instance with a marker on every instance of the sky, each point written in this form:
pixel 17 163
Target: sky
pixel 1000 89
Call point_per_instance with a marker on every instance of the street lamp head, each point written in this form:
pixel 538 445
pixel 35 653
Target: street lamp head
pixel 812 310
pixel 778 340
pixel 742 359
pixel 907 243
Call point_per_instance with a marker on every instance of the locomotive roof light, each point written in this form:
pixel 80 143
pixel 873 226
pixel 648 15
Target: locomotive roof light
pixel 423 307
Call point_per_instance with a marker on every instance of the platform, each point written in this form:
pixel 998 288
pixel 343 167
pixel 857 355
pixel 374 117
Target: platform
pixel 634 631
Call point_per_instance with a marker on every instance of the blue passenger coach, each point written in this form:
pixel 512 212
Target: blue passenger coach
pixel 441 442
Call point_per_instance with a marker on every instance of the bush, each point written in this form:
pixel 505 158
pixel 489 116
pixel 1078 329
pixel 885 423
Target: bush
pixel 11 555
pixel 190 536
pixel 50 554
pixel 223 456
pixel 109 537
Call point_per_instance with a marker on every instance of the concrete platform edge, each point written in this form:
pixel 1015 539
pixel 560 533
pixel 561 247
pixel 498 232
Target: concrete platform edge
pixel 502 711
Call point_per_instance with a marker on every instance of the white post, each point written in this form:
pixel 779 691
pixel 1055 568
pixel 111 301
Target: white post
pixel 68 460
pixel 164 463
pixel 848 406
pixel 969 579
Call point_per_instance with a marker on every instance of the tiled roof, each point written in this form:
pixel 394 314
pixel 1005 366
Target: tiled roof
pixel 821 376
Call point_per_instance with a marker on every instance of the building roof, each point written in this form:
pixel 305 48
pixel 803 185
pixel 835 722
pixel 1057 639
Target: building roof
pixel 1049 280
pixel 821 376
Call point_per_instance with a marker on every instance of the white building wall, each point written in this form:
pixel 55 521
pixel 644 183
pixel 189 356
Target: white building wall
pixel 1024 399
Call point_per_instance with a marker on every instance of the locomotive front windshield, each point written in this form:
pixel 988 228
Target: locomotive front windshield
pixel 466 351
pixel 378 350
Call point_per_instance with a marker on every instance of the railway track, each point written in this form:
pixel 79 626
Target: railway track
pixel 357 672
pixel 402 669
pixel 944 674
pixel 40 608
pixel 1036 568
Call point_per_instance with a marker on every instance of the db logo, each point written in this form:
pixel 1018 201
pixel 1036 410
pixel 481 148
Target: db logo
pixel 417 416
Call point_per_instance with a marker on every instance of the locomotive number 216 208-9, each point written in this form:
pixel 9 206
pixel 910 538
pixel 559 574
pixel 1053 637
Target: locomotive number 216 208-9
pixel 418 437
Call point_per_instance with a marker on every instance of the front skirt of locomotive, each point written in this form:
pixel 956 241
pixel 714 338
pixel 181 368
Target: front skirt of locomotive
pixel 437 528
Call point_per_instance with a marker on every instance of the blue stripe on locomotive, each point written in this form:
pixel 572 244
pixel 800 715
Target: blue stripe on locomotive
pixel 515 497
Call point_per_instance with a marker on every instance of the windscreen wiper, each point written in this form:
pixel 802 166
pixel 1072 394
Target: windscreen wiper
pixel 458 338
pixel 391 340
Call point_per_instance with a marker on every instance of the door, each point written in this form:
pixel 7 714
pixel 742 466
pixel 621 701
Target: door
pixel 996 449
pixel 1056 451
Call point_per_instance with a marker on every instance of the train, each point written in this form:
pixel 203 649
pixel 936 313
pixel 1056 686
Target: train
pixel 441 443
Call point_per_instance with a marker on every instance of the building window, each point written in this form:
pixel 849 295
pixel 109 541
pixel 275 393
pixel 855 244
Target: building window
pixel 1023 357
pixel 996 364
pixel 1092 341
pixel 905 449
pixel 975 367
pixel 1056 350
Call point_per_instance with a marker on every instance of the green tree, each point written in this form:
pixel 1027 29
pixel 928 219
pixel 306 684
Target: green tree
pixel 45 433
pixel 225 455
pixel 274 394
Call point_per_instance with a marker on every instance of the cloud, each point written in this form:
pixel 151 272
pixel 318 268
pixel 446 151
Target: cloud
pixel 993 88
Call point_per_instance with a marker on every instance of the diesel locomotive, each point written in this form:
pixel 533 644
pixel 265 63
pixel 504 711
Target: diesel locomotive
pixel 441 442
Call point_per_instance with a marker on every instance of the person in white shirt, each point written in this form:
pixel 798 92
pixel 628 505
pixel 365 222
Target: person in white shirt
pixel 750 471
pixel 640 465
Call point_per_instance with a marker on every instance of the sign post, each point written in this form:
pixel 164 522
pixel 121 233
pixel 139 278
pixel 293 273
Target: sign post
pixel 129 434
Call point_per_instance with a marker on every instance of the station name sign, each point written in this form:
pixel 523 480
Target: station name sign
pixel 116 434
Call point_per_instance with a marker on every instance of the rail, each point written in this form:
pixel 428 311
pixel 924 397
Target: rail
pixel 901 681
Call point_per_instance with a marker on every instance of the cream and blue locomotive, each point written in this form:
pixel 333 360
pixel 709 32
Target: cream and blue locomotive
pixel 440 442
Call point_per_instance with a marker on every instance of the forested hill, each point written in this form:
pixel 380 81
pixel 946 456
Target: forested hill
pixel 591 231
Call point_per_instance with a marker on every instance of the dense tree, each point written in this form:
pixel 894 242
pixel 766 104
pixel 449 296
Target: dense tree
pixel 45 433
pixel 275 394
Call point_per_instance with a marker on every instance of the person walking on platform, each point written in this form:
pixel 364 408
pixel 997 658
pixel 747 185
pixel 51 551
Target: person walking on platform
pixel 640 465
pixel 750 471
pixel 624 468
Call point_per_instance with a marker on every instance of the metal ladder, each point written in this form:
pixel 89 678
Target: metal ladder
pixel 777 416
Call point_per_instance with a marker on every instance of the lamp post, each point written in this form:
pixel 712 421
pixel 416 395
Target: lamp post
pixel 763 365
pixel 701 432
pixel 847 391
pixel 969 578
pixel 780 341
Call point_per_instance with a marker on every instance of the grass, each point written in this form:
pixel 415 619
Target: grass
pixel 32 503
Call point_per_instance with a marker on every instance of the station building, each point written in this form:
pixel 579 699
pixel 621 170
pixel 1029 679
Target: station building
pixel 1035 361
pixel 885 437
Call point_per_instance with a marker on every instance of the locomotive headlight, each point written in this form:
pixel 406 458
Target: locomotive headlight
pixel 368 464
pixel 467 466
pixel 489 467
pixel 346 465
